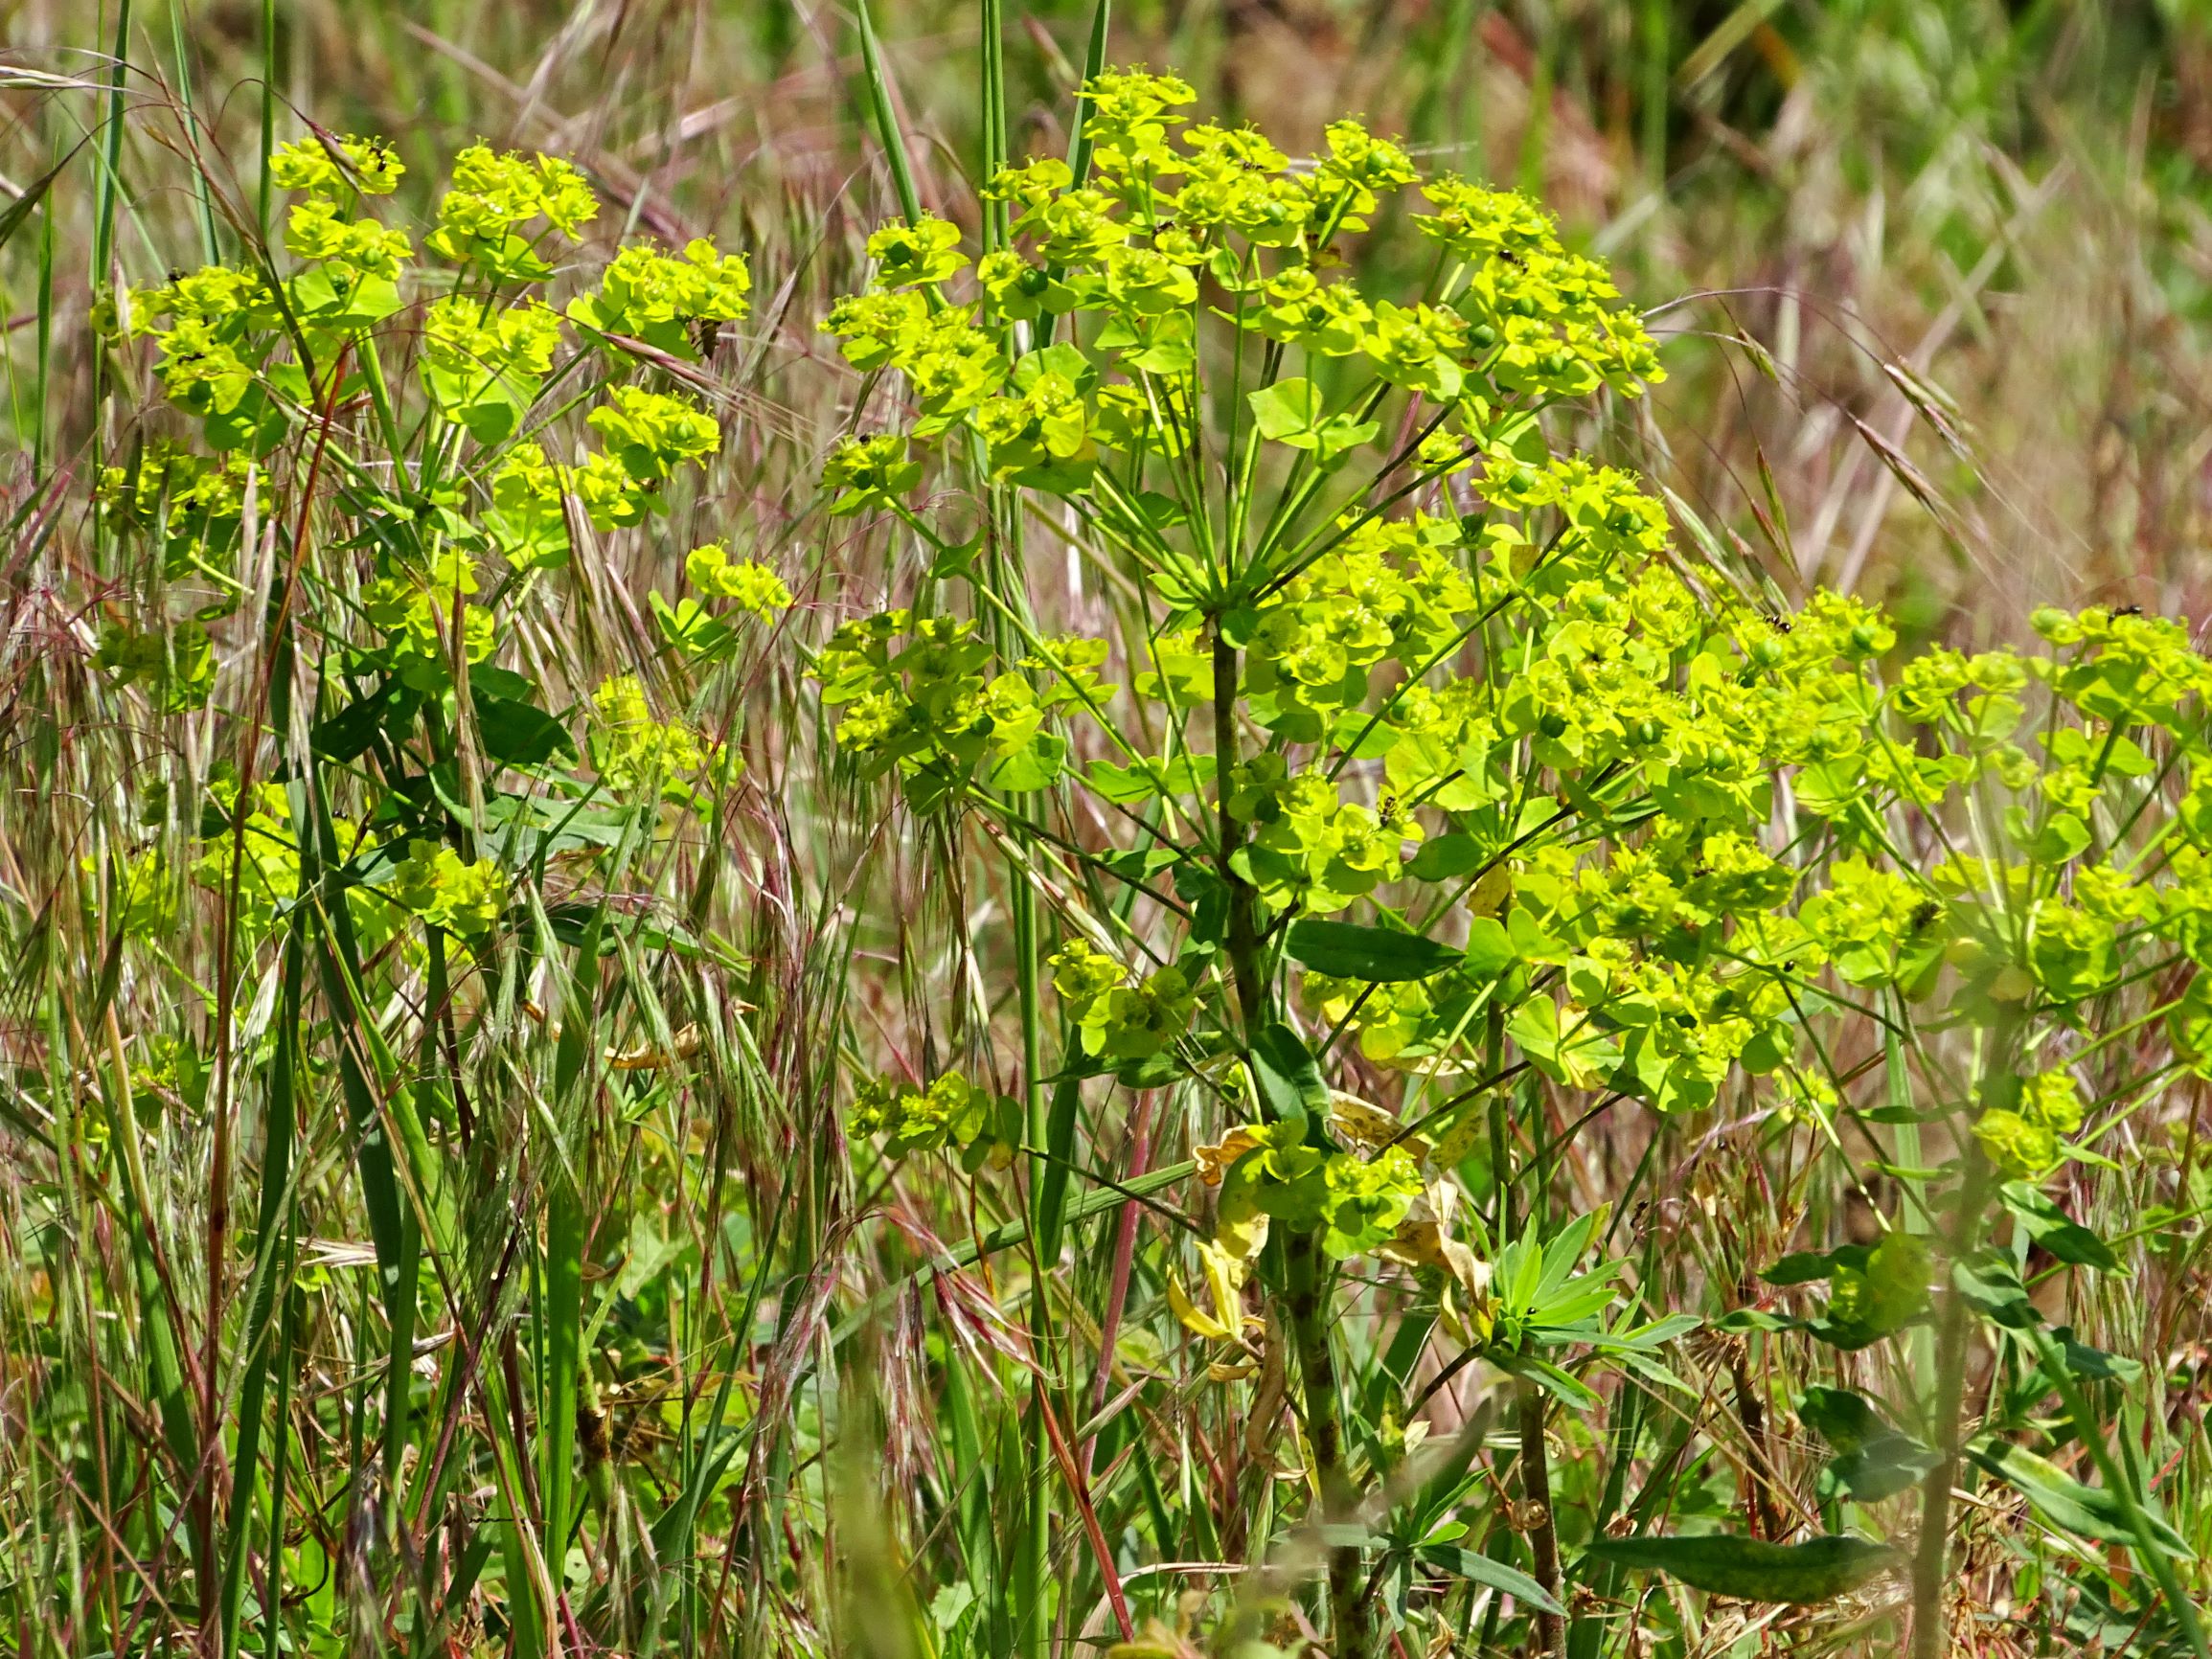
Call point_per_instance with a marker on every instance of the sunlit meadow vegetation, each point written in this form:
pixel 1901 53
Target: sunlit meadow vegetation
pixel 842 833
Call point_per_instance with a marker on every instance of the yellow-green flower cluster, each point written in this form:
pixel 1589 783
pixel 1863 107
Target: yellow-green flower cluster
pixel 1520 321
pixel 175 663
pixel 1358 1203
pixel 1389 590
pixel 915 696
pixel 950 363
pixel 634 751
pixel 1314 851
pixel 751 585
pixel 652 434
pixel 269 875
pixel 674 305
pixel 950 1113
pixel 446 891
pixel 495 197
pixel 2026 1140
pixel 317 228
pixel 649 435
pixel 483 368
pixel 144 898
pixel 1541 315
pixel 908 254
pixel 1121 1022
pixel 205 366
pixel 424 616
pixel 865 472
pixel 197 504
pixel 370 165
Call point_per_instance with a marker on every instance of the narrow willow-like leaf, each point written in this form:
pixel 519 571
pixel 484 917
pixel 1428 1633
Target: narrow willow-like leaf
pixel 1752 1569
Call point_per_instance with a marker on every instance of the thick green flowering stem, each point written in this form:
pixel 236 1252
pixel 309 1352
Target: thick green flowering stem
pixel 1933 1549
pixel 1349 1628
pixel 1535 1491
pixel 1244 933
pixel 1305 1276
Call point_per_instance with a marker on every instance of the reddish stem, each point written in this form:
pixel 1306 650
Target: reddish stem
pixel 1117 1294
pixel 1090 1524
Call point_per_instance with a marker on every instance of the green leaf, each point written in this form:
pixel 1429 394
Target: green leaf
pixel 1987 1281
pixel 1751 1569
pixel 1141 780
pixel 1289 1078
pixel 1531 942
pixel 1140 865
pixel 1287 411
pixel 1035 765
pixel 688 626
pixel 1560 1385
pixel 519 735
pixel 1380 955
pixel 1061 359
pixel 348 732
pixel 1445 857
pixel 1647 1337
pixel 1152 1072
pixel 1166 344
pixel 1293 411
pixel 1123 785
pixel 2066 1503
pixel 1845 1419
pixel 1490 949
pixel 1743 1320
pixel 360 301
pixel 1866 1305
pixel 2095 1364
pixel 489 680
pixel 1805 1266
pixel 1361 736
pixel 1872 1461
pixel 2056 1231
pixel 1478 1568
pixel 548 827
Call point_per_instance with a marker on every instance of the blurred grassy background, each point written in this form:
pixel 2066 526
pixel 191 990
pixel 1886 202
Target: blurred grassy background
pixel 1908 251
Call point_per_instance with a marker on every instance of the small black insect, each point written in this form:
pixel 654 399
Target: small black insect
pixel 2129 610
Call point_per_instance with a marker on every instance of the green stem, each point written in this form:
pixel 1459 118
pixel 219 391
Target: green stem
pixel 1349 1625
pixel 1933 1546
pixel 1244 939
pixel 263 184
pixel 1046 1197
pixel 1535 1491
pixel 1305 1278
pixel 1933 1549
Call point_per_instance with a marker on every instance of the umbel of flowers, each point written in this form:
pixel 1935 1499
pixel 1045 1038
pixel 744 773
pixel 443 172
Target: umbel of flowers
pixel 1431 743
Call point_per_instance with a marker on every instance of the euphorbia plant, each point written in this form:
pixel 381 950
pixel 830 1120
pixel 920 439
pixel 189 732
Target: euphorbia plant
pixel 391 466
pixel 1422 755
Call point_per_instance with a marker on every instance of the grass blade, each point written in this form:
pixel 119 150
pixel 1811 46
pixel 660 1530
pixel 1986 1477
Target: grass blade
pixel 884 109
